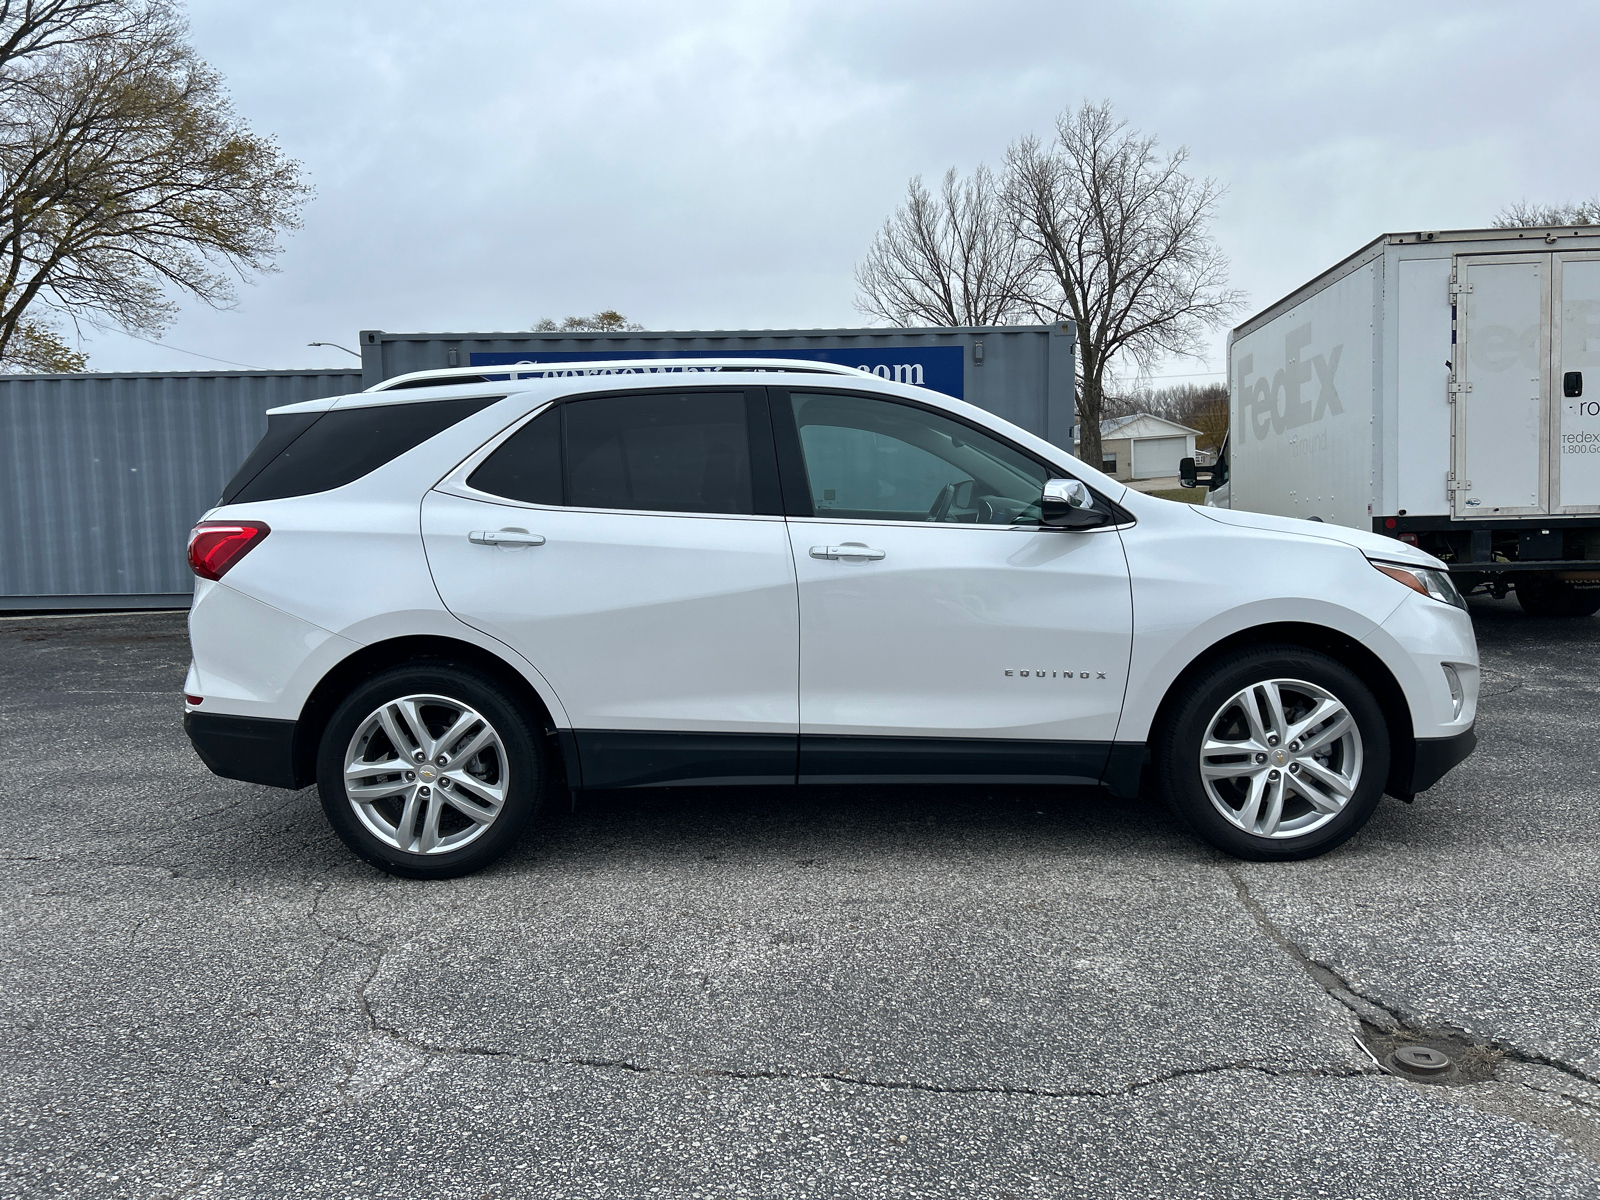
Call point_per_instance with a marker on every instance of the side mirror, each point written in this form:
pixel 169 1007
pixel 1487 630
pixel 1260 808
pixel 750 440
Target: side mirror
pixel 1067 504
pixel 1191 476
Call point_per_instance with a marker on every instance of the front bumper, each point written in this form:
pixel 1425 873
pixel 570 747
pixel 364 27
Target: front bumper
pixel 1437 757
pixel 254 749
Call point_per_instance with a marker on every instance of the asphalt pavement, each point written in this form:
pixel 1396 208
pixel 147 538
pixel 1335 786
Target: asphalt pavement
pixel 776 992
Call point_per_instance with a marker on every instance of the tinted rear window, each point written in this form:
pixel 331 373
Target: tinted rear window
pixel 672 453
pixel 527 465
pixel 338 447
pixel 663 452
pixel 282 428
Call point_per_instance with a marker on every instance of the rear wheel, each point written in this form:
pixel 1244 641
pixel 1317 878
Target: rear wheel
pixel 430 771
pixel 1278 753
pixel 1543 596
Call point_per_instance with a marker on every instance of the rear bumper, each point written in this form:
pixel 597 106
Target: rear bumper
pixel 1437 757
pixel 254 749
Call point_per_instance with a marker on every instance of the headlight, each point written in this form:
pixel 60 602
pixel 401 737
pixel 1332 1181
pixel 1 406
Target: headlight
pixel 1435 584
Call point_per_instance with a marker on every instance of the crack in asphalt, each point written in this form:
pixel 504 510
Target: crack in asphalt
pixel 434 1051
pixel 1580 1101
pixel 363 1006
pixel 1372 1012
pixel 429 1052
pixel 264 1128
pixel 1392 1021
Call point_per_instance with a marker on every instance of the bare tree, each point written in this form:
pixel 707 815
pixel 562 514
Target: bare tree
pixel 1207 411
pixel 1523 214
pixel 124 175
pixel 948 259
pixel 607 320
pixel 1203 407
pixel 1120 237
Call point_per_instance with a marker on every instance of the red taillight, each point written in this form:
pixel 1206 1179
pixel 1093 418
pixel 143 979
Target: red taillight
pixel 215 546
pixel 1409 539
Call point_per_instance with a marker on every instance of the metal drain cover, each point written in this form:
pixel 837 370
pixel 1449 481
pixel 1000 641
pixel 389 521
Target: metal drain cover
pixel 1422 1060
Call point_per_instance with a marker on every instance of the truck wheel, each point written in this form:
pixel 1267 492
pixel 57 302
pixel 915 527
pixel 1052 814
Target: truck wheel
pixel 1542 596
pixel 430 771
pixel 1278 753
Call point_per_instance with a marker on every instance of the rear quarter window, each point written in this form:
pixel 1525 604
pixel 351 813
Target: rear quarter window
pixel 303 453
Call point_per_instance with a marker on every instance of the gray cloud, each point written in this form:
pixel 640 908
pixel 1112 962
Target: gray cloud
pixel 480 165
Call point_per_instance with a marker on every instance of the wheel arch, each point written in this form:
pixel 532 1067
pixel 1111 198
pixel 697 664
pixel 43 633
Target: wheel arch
pixel 1368 667
pixel 353 670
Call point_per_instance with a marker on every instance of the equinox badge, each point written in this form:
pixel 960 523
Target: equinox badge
pixel 1058 674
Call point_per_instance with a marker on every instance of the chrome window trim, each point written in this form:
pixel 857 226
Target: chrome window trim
pixel 967 525
pixel 454 483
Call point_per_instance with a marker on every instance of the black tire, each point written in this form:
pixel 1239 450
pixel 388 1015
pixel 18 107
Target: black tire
pixel 525 764
pixel 1542 596
pixel 1178 745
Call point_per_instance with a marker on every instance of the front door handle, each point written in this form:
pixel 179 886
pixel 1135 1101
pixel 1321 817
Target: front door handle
pixel 849 551
pixel 505 537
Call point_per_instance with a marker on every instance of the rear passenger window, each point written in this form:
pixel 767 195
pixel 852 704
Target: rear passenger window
pixel 342 445
pixel 527 465
pixel 663 452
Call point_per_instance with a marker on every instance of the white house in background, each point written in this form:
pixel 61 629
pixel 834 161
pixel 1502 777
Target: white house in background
pixel 1144 446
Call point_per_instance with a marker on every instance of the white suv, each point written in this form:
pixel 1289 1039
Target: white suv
pixel 442 597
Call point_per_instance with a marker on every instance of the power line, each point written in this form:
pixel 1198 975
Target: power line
pixel 195 353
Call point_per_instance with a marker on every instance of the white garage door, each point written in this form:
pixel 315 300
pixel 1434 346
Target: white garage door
pixel 1155 457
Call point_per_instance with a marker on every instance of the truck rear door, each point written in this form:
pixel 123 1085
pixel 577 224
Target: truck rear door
pixel 1575 384
pixel 1500 365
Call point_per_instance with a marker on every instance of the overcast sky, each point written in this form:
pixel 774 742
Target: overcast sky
pixel 480 165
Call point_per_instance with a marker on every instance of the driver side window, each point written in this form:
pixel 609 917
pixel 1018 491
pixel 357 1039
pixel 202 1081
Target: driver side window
pixel 872 459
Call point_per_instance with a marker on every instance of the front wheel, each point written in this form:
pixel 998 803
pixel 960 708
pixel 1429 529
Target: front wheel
pixel 430 771
pixel 1278 753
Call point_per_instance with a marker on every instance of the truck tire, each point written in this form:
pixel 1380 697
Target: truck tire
pixel 430 770
pixel 1311 759
pixel 1544 596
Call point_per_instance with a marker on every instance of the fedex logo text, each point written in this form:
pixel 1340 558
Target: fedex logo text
pixel 1279 403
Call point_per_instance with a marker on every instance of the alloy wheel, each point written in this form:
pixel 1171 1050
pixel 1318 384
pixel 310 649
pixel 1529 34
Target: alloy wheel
pixel 1281 758
pixel 426 774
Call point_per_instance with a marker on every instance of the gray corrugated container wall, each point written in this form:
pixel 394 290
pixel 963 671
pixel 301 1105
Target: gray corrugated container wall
pixel 1024 373
pixel 102 476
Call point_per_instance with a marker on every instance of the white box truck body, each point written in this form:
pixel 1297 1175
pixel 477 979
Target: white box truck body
pixel 1442 388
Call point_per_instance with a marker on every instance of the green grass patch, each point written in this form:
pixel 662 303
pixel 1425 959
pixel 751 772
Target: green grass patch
pixel 1187 495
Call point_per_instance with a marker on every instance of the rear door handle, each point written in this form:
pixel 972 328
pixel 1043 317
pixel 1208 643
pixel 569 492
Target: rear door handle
pixel 850 551
pixel 505 537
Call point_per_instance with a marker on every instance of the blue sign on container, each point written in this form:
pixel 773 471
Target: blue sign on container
pixel 935 367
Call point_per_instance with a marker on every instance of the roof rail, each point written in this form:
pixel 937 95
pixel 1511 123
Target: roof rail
pixel 615 366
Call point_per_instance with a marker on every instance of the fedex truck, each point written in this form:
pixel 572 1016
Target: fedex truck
pixel 1442 388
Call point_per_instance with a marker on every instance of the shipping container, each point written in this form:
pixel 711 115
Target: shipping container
pixel 1440 387
pixel 102 476
pixel 1023 373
